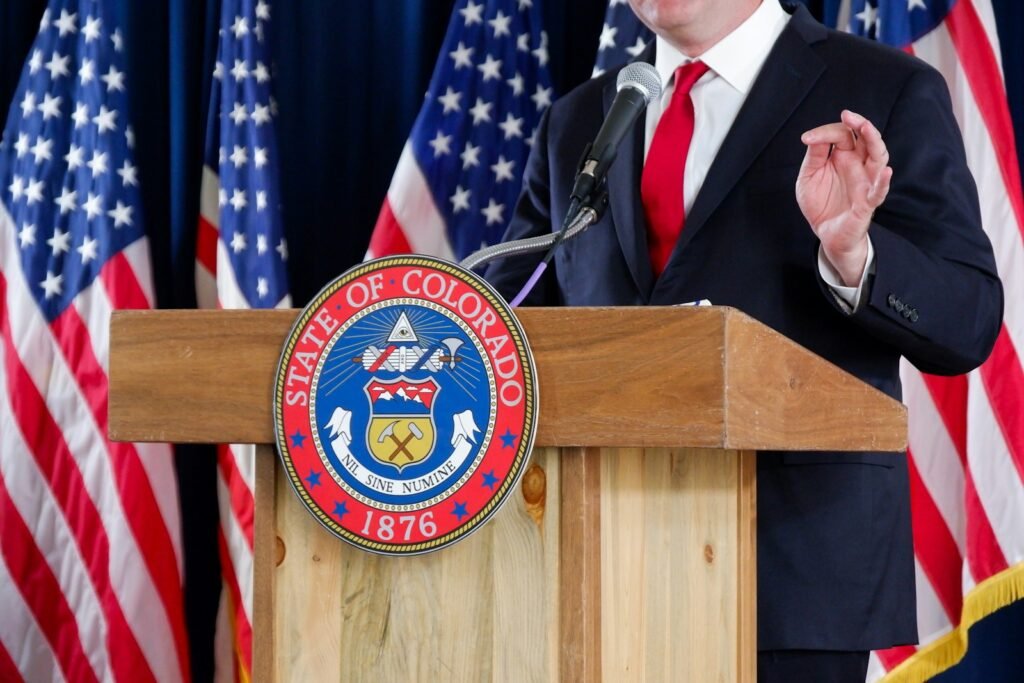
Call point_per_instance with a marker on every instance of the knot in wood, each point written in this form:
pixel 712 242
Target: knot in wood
pixel 535 485
pixel 279 551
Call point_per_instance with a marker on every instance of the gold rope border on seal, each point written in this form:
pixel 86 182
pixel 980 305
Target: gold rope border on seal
pixel 525 439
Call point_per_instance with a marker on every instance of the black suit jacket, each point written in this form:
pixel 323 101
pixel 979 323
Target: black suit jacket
pixel 835 554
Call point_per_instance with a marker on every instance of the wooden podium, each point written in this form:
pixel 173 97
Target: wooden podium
pixel 629 552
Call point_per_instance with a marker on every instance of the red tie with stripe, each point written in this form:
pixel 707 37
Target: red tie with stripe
pixel 661 184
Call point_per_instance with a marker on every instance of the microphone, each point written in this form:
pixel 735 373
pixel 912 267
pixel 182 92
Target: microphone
pixel 638 83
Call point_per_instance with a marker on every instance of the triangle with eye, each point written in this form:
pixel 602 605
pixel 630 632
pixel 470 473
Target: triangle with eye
pixel 402 331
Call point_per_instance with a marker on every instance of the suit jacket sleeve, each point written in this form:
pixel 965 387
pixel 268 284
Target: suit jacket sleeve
pixel 532 217
pixel 935 294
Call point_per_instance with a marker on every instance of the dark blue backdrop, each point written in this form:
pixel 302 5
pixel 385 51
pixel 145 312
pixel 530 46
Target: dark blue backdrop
pixel 350 79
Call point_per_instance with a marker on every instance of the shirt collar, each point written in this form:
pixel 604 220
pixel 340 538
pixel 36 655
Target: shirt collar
pixel 737 57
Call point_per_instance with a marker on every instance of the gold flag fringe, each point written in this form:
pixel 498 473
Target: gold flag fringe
pixel 992 594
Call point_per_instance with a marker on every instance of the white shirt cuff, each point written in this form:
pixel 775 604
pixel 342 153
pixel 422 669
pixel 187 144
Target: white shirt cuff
pixel 846 295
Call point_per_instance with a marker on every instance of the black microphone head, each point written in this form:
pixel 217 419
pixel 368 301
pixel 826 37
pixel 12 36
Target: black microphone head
pixel 638 83
pixel 642 77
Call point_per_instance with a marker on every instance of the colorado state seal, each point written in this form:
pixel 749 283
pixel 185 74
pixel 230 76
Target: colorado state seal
pixel 405 405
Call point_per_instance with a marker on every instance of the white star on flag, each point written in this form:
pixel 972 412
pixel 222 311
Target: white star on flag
pixel 92 206
pixel 60 242
pixel 441 144
pixel 481 111
pixel 67 23
pixel 238 200
pixel 121 214
pixel 52 284
pixel 105 120
pixel 493 211
pixel 503 169
pixel 472 13
pixel 114 79
pixel 450 100
pixel 607 39
pixel 518 84
pixel 91 30
pixel 460 200
pixel 491 68
pixel 128 173
pixel 66 201
pixel 500 23
pixel 512 126
pixel 462 56
pixel 470 155
pixel 88 250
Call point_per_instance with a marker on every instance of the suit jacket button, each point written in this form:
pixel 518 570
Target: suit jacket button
pixel 913 316
pixel 900 307
pixel 892 300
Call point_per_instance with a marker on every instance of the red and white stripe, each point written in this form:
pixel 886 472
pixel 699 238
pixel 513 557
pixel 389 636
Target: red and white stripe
pixel 967 433
pixel 90 554
pixel 216 287
pixel 409 221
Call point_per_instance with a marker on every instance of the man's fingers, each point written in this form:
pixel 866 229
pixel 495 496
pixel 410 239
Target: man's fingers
pixel 815 158
pixel 852 119
pixel 853 132
pixel 877 153
pixel 866 169
pixel 880 188
pixel 838 134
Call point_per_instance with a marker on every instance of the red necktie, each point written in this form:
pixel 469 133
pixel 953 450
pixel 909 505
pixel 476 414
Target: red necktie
pixel 661 184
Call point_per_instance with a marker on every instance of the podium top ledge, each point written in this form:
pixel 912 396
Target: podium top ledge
pixel 640 376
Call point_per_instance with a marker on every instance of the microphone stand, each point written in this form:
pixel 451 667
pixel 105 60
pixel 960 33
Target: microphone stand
pixel 589 199
pixel 581 220
pixel 581 215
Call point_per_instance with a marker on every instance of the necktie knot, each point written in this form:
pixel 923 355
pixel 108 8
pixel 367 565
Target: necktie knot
pixel 686 76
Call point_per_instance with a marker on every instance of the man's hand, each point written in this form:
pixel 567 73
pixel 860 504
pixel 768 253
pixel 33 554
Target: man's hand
pixel 843 179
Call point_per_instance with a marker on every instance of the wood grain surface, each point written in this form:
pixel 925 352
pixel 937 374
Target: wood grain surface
pixel 779 397
pixel 265 553
pixel 485 609
pixel 671 566
pixel 580 565
pixel 610 564
pixel 694 377
pixel 746 573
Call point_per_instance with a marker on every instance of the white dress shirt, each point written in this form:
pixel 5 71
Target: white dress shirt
pixel 733 64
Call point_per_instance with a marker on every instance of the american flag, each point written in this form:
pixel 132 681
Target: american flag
pixel 90 554
pixel 966 433
pixel 622 39
pixel 459 175
pixel 240 263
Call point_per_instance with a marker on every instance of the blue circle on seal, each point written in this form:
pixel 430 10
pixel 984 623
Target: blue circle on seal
pixel 412 379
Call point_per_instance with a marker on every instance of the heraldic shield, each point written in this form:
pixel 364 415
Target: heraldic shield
pixel 401 430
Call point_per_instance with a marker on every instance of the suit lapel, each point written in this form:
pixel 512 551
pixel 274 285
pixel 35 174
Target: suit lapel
pixel 786 78
pixel 625 203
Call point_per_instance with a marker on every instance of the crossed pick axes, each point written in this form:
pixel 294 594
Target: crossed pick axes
pixel 389 432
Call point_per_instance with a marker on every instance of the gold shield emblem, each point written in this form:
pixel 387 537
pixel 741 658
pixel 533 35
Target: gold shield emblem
pixel 401 441
pixel 401 430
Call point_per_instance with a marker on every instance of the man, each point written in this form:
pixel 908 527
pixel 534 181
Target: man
pixel 817 182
